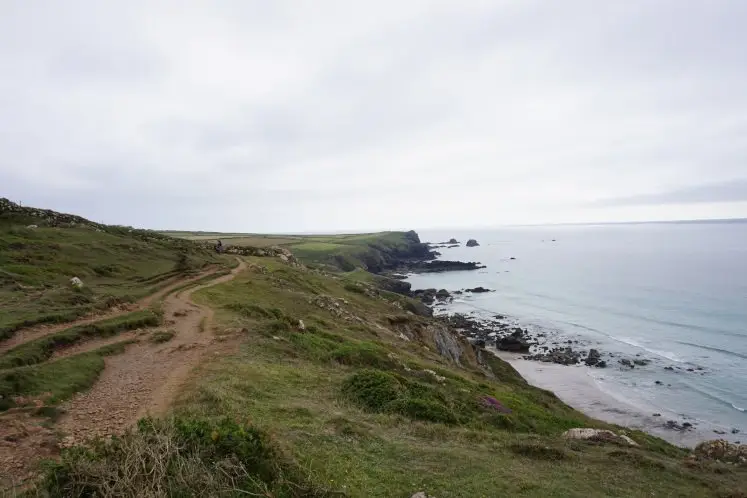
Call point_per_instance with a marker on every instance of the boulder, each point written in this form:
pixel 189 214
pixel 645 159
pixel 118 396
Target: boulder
pixel 513 343
pixel 626 363
pixel 478 290
pixel 593 358
pixel 472 243
pixel 453 241
pixel 418 308
pixel 76 282
pixel 599 435
pixel 443 295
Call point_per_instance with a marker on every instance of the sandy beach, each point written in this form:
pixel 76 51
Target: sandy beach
pixel 576 386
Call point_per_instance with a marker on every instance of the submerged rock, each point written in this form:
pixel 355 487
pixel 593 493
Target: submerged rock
pixel 478 290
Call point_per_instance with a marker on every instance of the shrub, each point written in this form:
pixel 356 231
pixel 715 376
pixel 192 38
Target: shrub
pixel 423 409
pixel 362 354
pixel 178 457
pixel 373 390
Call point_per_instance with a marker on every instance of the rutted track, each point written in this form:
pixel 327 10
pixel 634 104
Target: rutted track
pixel 145 379
pixel 25 335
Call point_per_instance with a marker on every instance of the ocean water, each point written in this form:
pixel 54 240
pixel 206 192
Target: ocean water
pixel 675 294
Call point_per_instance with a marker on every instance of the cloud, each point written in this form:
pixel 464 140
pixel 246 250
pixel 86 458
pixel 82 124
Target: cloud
pixel 287 116
pixel 731 191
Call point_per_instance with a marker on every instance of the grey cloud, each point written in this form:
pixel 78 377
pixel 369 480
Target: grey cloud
pixel 345 115
pixel 731 191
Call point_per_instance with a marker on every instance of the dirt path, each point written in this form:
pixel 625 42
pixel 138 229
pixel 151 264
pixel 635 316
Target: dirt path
pixel 146 378
pixel 25 335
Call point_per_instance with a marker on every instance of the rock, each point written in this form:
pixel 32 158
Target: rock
pixel 478 290
pixel 641 363
pixel 472 243
pixel 418 308
pixel 593 358
pixel 453 241
pixel 659 383
pixel 735 431
pixel 32 227
pixel 443 295
pixel 721 450
pixel 599 435
pixel 657 415
pixel 672 424
pixel 601 364
pixel 301 326
pixel 669 368
pixel 512 258
pixel 515 342
pixel 76 282
pixel 626 363
pixel 441 265
pixel 421 494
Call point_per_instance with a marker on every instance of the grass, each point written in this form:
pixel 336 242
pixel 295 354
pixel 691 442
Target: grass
pixel 115 264
pixel 179 457
pixel 42 349
pixel 343 406
pixel 57 380
pixel 354 404
pixel 162 336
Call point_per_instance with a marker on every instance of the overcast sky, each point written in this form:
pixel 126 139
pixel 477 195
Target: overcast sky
pixel 273 116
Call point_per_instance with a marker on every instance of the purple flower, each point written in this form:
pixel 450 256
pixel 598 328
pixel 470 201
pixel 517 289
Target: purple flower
pixel 491 402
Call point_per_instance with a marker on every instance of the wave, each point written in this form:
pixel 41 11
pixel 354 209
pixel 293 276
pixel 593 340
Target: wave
pixel 717 350
pixel 709 393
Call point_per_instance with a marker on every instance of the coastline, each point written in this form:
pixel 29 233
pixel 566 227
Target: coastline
pixel 576 387
pixel 592 391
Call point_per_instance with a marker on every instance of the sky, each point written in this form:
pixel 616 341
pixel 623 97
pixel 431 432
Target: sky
pixel 256 116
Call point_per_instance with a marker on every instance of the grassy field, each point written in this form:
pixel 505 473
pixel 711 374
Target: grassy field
pixel 370 251
pixel 115 264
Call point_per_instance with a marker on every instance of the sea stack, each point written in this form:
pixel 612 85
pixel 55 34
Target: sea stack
pixel 472 243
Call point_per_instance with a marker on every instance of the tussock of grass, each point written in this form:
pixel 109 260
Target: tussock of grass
pixel 162 336
pixel 179 457
pixel 58 379
pixel 42 349
pixel 539 451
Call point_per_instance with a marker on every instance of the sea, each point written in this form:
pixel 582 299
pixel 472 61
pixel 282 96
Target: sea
pixel 671 293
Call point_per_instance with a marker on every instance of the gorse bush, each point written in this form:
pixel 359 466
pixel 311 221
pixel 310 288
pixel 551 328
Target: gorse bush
pixel 178 457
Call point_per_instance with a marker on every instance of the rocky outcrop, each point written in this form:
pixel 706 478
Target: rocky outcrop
pixel 478 290
pixel 472 243
pixel 515 343
pixel 439 266
pixel 263 252
pixel 453 241
pixel 561 356
pixel 721 451
pixel 600 436
pixel 593 358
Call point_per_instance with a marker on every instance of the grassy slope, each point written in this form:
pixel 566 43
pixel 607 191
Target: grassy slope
pixel 116 264
pixel 293 385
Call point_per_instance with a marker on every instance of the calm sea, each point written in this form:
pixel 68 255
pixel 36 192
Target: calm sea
pixel 675 294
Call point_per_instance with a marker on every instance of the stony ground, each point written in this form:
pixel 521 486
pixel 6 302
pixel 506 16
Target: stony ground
pixel 141 381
